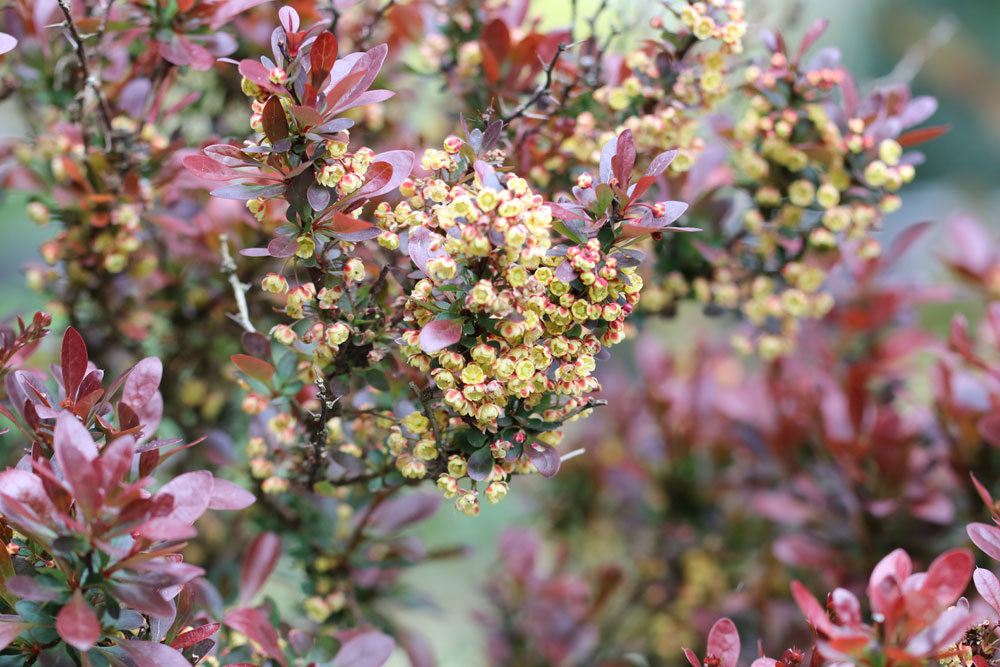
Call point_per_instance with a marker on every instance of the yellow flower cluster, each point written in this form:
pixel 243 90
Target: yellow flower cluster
pixel 724 20
pixel 534 316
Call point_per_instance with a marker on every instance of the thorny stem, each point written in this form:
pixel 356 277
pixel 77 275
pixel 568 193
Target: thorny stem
pixel 239 288
pixel 318 435
pixel 543 89
pixel 88 80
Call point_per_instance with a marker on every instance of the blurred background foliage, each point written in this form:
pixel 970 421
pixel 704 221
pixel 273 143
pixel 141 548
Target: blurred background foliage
pixel 877 38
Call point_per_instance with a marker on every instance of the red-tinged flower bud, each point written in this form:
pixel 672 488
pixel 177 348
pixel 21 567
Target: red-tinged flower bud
pixel 274 283
pixel 453 144
pixel 277 75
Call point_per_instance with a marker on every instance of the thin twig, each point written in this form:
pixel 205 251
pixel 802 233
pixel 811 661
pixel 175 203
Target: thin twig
pixel 916 57
pixel 369 28
pixel 88 80
pixel 318 435
pixel 239 288
pixel 544 88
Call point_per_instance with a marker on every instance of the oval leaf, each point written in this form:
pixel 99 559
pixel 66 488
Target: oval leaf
pixel 439 334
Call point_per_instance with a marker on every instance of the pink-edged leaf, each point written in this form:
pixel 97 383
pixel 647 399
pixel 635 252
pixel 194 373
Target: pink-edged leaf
pixel 604 166
pixel 73 361
pixel 624 159
pixel 229 496
pixel 142 383
pixel 191 493
pixel 246 192
pixel 814 32
pixel 401 163
pixel 348 228
pixel 254 624
pixel 29 588
pixel 365 98
pixel 724 642
pixel 439 334
pixel 369 649
pixel 403 511
pixel 154 653
pixel 988 586
pixel 254 71
pixel 487 175
pixel 318 196
pixel 660 163
pixel 945 631
pixel 846 606
pixel 256 368
pixel 811 608
pixel 7 43
pixel 983 492
pixel 544 457
pixel 192 637
pixel 116 461
pixel 77 623
pixel 424 245
pixel 167 529
pixel 76 454
pixel 986 537
pixel 258 563
pixel 231 9
pixel 289 19
pixel 209 169
pixel 948 576
pixel 9 631
pixel 692 658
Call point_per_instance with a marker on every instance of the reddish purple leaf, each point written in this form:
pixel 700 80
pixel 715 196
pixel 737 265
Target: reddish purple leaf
pixel 282 246
pixel 545 459
pixel 192 637
pixel 258 564
pixel 254 624
pixel 948 576
pixel 660 163
pixel 29 588
pixel 77 623
pixel 321 58
pixel 191 492
pixel 73 361
pixel 154 653
pixel 424 245
pixel 988 586
pixel 403 511
pixel 985 537
pixel 229 496
pixel 256 368
pixel 814 32
pixel 439 334
pixel 142 383
pixel 76 453
pixel 724 642
pixel 9 632
pixel 945 631
pixel 370 649
pixel 348 228
pixel 210 169
pixel 274 121
pixel 624 160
